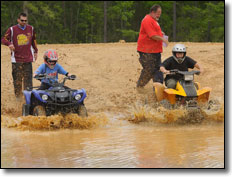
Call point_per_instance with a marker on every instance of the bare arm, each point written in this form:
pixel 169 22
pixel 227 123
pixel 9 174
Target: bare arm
pixel 198 66
pixel 163 70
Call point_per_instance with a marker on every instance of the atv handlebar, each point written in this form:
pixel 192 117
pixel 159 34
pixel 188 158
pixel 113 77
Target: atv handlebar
pixel 197 72
pixel 72 77
pixel 54 83
pixel 176 71
pixel 46 76
pixel 43 76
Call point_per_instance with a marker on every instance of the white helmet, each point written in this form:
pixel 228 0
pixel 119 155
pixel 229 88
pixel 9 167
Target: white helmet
pixel 179 48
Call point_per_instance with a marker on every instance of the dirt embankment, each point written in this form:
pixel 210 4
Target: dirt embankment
pixel 109 73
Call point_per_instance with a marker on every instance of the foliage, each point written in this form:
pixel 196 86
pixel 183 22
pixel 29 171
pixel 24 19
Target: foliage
pixel 83 21
pixel 129 35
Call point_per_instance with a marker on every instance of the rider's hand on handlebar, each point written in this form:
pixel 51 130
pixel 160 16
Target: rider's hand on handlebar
pixel 166 72
pixel 40 76
pixel 198 73
pixel 36 75
pixel 71 76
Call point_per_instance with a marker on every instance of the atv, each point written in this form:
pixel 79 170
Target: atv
pixel 57 99
pixel 187 93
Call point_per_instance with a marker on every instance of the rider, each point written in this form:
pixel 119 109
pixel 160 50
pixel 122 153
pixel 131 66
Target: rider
pixel 51 68
pixel 179 61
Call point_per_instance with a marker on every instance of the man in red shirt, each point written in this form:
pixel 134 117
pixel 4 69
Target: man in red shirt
pixel 150 47
pixel 21 41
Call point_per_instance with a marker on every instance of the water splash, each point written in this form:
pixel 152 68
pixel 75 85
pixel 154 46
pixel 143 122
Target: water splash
pixel 214 115
pixel 159 114
pixel 54 122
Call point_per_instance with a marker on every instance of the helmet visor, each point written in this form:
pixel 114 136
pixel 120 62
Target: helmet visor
pixel 52 62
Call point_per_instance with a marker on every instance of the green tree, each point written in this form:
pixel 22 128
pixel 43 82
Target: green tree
pixel 83 21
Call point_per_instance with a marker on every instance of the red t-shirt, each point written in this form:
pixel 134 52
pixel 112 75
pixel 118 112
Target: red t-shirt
pixel 149 27
pixel 24 42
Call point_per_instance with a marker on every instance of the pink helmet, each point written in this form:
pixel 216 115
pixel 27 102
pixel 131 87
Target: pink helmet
pixel 50 58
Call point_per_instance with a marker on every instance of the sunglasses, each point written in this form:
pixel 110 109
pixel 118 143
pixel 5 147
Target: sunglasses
pixel 23 20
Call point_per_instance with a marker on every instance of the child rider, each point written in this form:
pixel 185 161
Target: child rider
pixel 51 68
pixel 179 61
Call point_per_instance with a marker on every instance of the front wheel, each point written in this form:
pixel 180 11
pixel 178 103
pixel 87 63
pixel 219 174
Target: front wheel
pixel 82 111
pixel 39 111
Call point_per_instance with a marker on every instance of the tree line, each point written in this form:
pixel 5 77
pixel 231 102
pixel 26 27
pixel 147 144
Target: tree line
pixel 111 21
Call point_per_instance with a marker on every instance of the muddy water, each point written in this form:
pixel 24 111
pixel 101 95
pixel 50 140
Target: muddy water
pixel 116 143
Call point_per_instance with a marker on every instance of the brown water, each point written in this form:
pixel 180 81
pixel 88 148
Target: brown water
pixel 115 143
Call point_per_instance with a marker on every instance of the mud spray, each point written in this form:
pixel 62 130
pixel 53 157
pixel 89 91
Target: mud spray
pixel 54 122
pixel 139 112
pixel 157 113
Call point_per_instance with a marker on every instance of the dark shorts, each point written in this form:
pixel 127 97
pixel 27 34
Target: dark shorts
pixel 151 68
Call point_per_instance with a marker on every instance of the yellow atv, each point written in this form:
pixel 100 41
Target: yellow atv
pixel 187 92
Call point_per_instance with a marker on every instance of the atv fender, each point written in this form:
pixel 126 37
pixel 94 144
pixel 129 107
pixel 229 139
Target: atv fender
pixel 27 95
pixel 80 91
pixel 37 93
pixel 159 90
pixel 170 95
pixel 203 94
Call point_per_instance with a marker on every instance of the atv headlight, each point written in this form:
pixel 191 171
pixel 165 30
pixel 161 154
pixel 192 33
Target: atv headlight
pixel 44 97
pixel 77 97
pixel 188 77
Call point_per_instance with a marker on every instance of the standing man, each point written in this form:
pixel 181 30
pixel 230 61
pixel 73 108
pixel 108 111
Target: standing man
pixel 150 47
pixel 21 41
